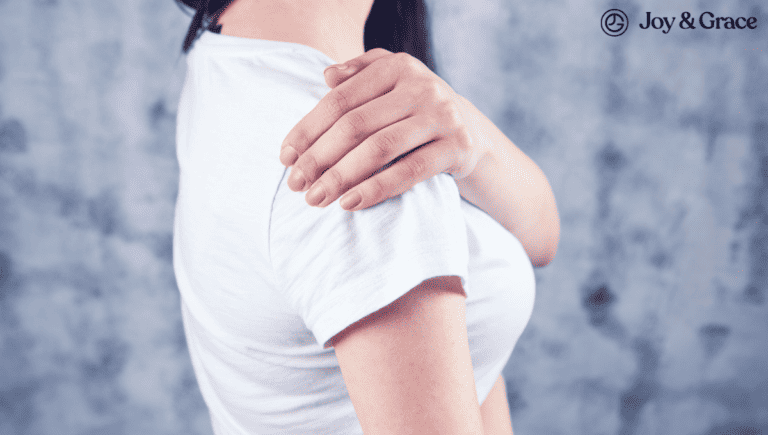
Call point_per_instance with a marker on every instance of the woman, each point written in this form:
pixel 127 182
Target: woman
pixel 392 315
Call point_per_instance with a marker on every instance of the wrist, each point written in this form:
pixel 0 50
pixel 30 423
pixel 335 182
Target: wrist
pixel 482 149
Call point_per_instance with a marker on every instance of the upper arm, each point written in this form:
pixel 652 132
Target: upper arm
pixel 407 366
pixel 495 410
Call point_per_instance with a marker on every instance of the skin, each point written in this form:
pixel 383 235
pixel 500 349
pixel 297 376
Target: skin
pixel 335 27
pixel 331 148
pixel 385 105
pixel 390 104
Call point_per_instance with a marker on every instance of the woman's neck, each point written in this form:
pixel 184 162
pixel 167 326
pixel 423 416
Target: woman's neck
pixel 335 27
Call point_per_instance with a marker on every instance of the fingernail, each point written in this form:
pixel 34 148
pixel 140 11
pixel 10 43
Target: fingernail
pixel 316 195
pixel 288 156
pixel 297 179
pixel 351 200
pixel 340 67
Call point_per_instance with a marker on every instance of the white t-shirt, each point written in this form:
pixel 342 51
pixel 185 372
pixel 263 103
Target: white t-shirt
pixel 266 280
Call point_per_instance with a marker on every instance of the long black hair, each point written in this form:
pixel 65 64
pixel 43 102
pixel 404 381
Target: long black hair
pixel 395 25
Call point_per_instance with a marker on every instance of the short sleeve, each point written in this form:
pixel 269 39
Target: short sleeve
pixel 335 267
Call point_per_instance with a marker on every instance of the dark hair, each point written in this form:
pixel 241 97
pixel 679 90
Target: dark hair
pixel 395 25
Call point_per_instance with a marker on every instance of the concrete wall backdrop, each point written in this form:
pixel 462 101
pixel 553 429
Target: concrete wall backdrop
pixel 652 319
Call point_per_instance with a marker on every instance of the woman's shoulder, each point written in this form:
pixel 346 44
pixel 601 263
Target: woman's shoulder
pixel 433 202
pixel 238 104
pixel 336 266
pixel 243 65
pixel 426 218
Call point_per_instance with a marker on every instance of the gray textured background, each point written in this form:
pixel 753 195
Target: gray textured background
pixel 652 319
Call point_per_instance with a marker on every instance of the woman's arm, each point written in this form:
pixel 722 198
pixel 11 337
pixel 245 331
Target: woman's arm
pixel 386 105
pixel 495 410
pixel 407 367
pixel 511 188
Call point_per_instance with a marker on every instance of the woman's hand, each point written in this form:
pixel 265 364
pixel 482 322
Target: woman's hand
pixel 383 106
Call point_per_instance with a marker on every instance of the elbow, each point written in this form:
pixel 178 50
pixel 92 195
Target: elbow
pixel 550 238
pixel 546 256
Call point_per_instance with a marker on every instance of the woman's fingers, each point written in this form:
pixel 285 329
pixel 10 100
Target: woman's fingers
pixel 387 124
pixel 375 79
pixel 374 155
pixel 347 133
pixel 421 164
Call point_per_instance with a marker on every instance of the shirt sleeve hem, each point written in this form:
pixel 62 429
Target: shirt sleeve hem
pixel 399 278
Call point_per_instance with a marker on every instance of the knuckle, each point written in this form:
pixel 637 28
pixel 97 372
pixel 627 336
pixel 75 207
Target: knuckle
pixel 377 189
pixel 309 166
pixel 408 61
pixel 452 114
pixel 414 166
pixel 299 141
pixel 464 137
pixel 353 124
pixel 383 146
pixel 430 93
pixel 338 103
pixel 447 116
pixel 403 57
pixel 436 90
pixel 335 181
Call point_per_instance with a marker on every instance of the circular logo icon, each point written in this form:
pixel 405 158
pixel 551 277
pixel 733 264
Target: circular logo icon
pixel 614 22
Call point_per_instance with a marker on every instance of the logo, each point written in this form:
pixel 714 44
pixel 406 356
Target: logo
pixel 614 22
